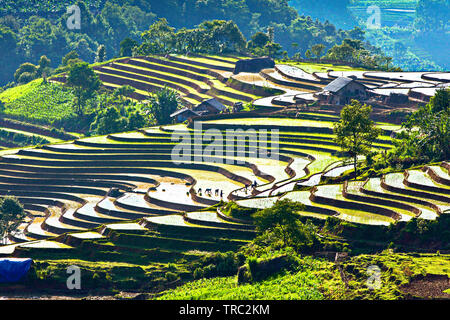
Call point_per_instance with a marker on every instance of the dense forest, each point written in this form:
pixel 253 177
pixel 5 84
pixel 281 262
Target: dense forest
pixel 28 32
pixel 416 33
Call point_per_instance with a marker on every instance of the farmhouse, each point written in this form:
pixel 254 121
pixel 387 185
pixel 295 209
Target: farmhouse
pixel 210 106
pixel 184 114
pixel 342 90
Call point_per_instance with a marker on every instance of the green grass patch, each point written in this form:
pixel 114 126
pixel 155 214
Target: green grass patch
pixel 320 67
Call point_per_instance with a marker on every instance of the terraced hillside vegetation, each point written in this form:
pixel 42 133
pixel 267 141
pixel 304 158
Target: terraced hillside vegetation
pixel 166 205
pixel 28 112
pixel 195 78
pixel 78 179
pixel 133 175
pixel 121 198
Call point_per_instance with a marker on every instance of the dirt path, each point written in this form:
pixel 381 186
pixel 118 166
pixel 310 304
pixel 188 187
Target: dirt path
pixel 428 287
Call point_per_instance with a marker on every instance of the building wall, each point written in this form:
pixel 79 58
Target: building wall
pixel 353 90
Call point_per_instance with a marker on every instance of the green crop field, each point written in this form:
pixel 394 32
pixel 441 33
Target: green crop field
pixel 227 289
pixel 37 101
pixel 325 284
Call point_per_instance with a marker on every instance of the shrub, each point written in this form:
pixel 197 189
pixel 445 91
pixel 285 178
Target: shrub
pixel 20 139
pixel 281 222
pixel 198 273
pixel 25 68
pixel 171 276
pixel 26 77
pixel 261 269
pixel 218 264
pixel 232 209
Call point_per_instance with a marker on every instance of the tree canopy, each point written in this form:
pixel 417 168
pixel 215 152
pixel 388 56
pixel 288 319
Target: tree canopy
pixel 162 104
pixel 355 132
pixel 433 15
pixel 218 26
pixel 427 135
pixel 280 223
pixel 84 82
pixel 11 215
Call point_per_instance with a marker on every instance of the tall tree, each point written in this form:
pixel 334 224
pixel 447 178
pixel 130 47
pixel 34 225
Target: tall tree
pixel 427 132
pixel 343 52
pixel 228 38
pixel 101 53
pixel 355 132
pixel 8 39
pixel 43 67
pixel 84 82
pixel 318 49
pixel 163 104
pixel 124 91
pixel 11 216
pixel 126 47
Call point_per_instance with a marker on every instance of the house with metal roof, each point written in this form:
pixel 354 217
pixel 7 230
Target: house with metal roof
pixel 342 90
pixel 184 114
pixel 210 106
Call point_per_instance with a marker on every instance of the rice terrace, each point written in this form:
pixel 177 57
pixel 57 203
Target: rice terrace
pixel 206 159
